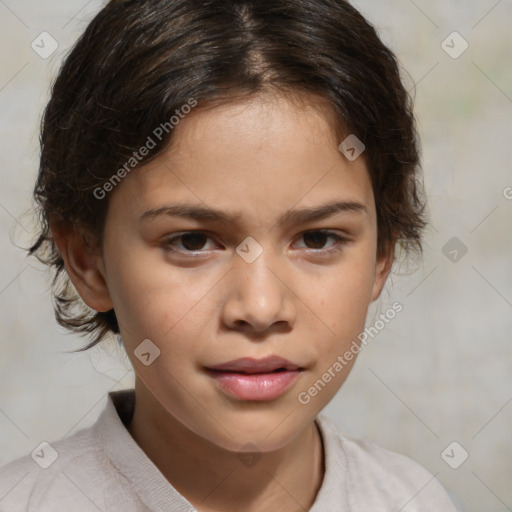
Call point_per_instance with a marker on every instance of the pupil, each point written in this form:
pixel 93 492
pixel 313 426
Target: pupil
pixel 193 241
pixel 317 238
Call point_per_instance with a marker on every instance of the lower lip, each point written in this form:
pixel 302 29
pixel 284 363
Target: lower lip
pixel 255 386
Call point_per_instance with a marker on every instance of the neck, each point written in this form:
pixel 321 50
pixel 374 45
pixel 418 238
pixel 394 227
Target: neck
pixel 215 479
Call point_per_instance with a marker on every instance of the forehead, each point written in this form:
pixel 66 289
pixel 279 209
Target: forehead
pixel 260 155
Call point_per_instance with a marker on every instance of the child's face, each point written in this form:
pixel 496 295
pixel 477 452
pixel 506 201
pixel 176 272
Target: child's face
pixel 305 298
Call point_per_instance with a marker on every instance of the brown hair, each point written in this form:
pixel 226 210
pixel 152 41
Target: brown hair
pixel 139 61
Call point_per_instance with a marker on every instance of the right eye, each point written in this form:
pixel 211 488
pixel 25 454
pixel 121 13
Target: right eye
pixel 188 242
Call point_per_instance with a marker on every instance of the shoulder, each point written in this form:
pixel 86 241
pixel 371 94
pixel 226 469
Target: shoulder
pixel 54 475
pixel 379 478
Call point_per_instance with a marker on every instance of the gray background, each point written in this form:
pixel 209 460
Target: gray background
pixel 440 372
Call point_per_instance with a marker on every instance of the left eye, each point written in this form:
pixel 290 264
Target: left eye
pixel 316 240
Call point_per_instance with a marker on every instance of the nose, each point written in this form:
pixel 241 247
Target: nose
pixel 259 298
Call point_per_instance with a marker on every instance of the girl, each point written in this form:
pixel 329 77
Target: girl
pixel 222 186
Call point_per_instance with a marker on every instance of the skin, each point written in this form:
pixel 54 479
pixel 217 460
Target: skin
pixel 304 298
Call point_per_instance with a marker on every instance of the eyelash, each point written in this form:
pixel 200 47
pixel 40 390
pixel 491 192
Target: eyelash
pixel 339 240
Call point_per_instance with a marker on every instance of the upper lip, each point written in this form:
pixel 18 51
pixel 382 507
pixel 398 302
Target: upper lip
pixel 250 365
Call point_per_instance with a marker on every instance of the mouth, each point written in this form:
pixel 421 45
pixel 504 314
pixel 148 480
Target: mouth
pixel 259 380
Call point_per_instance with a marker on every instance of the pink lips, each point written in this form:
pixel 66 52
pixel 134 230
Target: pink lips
pixel 256 379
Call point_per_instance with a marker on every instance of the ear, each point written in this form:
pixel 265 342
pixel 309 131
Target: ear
pixel 383 266
pixel 84 265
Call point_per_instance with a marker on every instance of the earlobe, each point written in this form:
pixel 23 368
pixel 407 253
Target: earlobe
pixel 84 266
pixel 382 269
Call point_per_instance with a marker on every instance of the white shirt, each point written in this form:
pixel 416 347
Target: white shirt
pixel 102 468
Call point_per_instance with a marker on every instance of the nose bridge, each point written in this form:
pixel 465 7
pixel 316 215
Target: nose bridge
pixel 258 295
pixel 259 274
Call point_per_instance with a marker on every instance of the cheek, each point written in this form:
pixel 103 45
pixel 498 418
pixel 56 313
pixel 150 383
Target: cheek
pixel 153 299
pixel 342 299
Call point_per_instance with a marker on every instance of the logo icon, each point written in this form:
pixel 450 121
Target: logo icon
pixel 454 250
pixel 250 456
pixel 44 45
pixel 454 45
pixel 146 352
pixel 454 455
pixel 44 455
pixel 352 147
pixel 249 249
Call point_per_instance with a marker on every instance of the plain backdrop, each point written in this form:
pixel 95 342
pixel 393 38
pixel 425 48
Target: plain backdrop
pixel 439 372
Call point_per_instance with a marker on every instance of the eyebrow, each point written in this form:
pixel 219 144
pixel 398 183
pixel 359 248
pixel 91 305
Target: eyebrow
pixel 297 216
